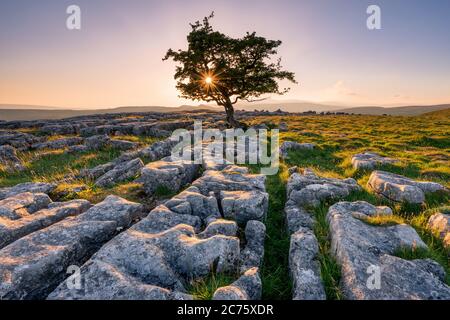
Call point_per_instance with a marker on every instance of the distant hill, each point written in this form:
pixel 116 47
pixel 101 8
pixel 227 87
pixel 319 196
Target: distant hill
pixel 27 107
pixel 438 114
pixel 49 113
pixel 396 111
pixel 26 112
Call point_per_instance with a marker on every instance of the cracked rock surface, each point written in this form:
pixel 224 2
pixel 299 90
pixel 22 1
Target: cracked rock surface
pixel 306 190
pixel 31 267
pixel 401 189
pixel 362 249
pixel 179 241
pixel 32 187
pixel 440 223
pixel 369 160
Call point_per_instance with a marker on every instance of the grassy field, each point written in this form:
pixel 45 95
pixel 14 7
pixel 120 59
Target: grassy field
pixel 56 166
pixel 422 144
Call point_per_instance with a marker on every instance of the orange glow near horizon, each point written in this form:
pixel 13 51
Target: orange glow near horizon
pixel 115 59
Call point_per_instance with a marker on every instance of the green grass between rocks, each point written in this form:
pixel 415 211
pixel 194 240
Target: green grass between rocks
pixel 422 144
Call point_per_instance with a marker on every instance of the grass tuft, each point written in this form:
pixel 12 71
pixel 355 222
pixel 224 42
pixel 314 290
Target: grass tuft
pixel 204 288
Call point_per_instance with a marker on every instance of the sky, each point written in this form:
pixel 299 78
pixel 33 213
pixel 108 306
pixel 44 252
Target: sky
pixel 115 59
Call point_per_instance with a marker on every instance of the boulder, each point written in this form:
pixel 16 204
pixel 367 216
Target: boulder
pixel 192 202
pixel 219 226
pixel 167 173
pixel 283 127
pixel 253 253
pixel 370 160
pixel 97 171
pixel 243 206
pixel 135 262
pixel 31 267
pixel 439 223
pixel 158 150
pixel 247 287
pixel 58 143
pixel 77 149
pixel 366 255
pixel 22 205
pixel 123 144
pixel 9 159
pixel 305 267
pixel 13 229
pixel 120 173
pixel 58 129
pixel 19 140
pixel 33 187
pixel 232 178
pixel 97 142
pixel 297 217
pixel 162 218
pixel 309 190
pixel 401 189
pixel 291 145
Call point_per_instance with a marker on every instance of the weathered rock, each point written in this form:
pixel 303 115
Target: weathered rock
pixel 219 226
pixel 13 229
pixel 213 155
pixel 291 145
pixel 304 266
pixel 123 144
pixel 247 287
pixel 97 142
pixel 308 190
pixel 120 173
pixel 283 127
pixel 232 178
pixel 143 260
pixel 160 129
pixel 292 170
pixel 158 150
pixel 162 218
pixel 297 217
pixel 362 249
pixel 77 149
pixel 58 144
pixel 103 282
pixel 9 159
pixel 167 173
pixel 97 171
pixel 53 129
pixel 370 160
pixel 401 189
pixel 19 140
pixel 22 205
pixel 192 202
pixel 440 224
pixel 253 253
pixel 106 129
pixel 31 267
pixel 243 206
pixel 33 187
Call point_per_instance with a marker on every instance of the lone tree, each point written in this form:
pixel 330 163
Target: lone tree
pixel 216 67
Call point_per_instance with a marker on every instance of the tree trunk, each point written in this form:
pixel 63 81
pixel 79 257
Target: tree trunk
pixel 229 109
pixel 230 116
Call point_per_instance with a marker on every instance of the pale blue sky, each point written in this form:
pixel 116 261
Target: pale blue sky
pixel 115 59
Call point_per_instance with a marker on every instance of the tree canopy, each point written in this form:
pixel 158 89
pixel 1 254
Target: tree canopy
pixel 218 68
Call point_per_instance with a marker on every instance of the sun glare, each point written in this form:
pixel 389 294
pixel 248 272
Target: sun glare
pixel 208 80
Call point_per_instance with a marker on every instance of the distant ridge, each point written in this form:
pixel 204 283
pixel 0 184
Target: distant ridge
pixel 396 111
pixel 10 112
pixel 51 113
